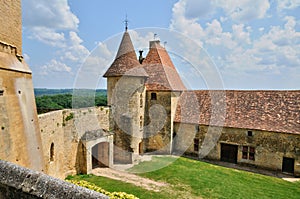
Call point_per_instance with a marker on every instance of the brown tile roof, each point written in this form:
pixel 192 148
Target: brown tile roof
pixel 277 111
pixel 126 62
pixel 161 70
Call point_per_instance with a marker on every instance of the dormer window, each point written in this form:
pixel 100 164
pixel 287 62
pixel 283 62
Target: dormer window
pixel 153 96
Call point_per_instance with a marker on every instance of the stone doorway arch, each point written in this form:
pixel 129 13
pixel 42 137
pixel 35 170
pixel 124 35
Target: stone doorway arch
pixel 98 150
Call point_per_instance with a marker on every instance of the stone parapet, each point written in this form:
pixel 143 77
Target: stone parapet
pixel 19 182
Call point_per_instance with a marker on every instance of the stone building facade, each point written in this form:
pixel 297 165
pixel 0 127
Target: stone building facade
pixel 257 128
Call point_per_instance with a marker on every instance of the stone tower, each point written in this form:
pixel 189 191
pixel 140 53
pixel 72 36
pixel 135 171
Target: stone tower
pixel 143 96
pixel 163 88
pixel 125 95
pixel 20 137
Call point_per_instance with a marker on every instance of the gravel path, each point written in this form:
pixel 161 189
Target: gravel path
pixel 129 178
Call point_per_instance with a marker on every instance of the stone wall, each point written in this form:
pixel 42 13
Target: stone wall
pixel 270 147
pixel 157 132
pixel 20 139
pixel 19 182
pixel 11 23
pixel 61 132
pixel 126 95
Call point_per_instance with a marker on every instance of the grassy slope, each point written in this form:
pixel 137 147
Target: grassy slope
pixel 193 179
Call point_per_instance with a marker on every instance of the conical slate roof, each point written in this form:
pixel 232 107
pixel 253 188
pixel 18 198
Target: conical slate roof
pixel 126 62
pixel 161 70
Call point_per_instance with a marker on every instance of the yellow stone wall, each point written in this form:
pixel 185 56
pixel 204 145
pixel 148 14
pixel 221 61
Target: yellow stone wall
pixel 20 141
pixel 11 23
pixel 64 128
pixel 270 147
pixel 158 137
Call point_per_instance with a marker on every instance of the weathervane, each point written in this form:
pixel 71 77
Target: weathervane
pixel 126 23
pixel 155 35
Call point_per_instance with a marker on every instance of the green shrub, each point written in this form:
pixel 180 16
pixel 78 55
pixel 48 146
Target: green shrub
pixel 112 195
pixel 69 117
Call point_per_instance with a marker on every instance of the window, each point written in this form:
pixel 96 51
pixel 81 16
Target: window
pixel 1 92
pixel 141 121
pixel 174 134
pixel 245 152
pixel 141 100
pixel 153 96
pixel 250 133
pixel 52 152
pixel 197 128
pixel 251 153
pixel 248 153
pixel 196 144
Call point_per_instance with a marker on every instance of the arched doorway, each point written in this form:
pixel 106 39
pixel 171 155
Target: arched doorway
pixel 100 155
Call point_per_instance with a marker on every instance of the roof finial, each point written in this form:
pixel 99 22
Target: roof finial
pixel 126 23
pixel 154 36
pixel 165 43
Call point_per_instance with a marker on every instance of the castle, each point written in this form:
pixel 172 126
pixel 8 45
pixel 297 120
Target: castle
pixel 149 111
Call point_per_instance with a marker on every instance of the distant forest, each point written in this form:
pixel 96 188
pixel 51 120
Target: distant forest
pixel 56 99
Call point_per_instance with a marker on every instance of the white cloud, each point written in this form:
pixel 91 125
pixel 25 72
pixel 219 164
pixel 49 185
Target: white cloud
pixel 55 66
pixel 244 10
pixel 287 4
pixel 48 36
pixel 54 14
pixel 240 35
pixel 242 50
pixel 75 51
pixel 198 8
pixel 188 27
pixel 54 24
pixel 278 49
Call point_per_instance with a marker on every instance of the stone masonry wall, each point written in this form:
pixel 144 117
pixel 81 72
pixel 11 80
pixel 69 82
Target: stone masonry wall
pixel 158 122
pixel 11 23
pixel 63 130
pixel 20 141
pixel 19 182
pixel 270 147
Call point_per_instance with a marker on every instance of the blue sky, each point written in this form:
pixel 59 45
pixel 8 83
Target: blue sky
pixel 251 44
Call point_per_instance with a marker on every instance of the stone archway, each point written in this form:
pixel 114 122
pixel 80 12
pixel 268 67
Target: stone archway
pixel 97 147
pixel 100 155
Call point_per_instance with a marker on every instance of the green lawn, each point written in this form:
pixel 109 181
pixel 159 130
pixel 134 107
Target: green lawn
pixel 119 186
pixel 194 179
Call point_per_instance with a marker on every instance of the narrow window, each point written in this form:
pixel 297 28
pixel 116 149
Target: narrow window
pixel 1 92
pixel 250 133
pixel 153 96
pixel 197 128
pixel 196 144
pixel 174 134
pixel 141 121
pixel 52 152
pixel 141 100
